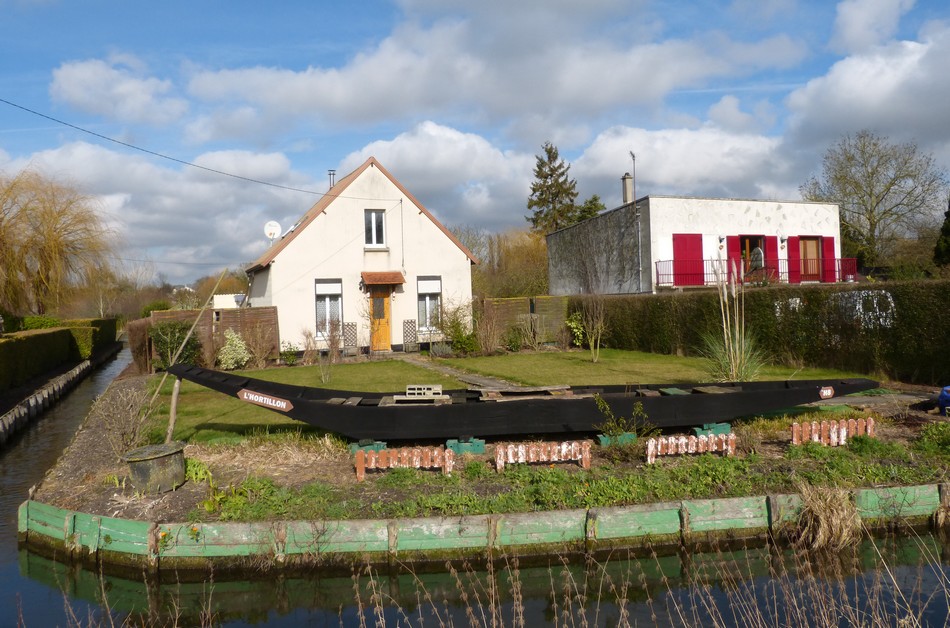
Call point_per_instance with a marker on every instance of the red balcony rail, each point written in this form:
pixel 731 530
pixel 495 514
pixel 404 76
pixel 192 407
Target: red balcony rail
pixel 706 272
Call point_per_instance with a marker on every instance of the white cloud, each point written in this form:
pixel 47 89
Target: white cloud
pixel 188 221
pixel 727 115
pixel 458 176
pixel 862 24
pixel 475 70
pixel 700 162
pixel 899 90
pixel 117 88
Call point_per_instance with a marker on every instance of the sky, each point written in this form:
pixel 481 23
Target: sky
pixel 192 124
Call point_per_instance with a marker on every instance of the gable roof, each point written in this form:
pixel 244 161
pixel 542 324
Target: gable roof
pixel 327 199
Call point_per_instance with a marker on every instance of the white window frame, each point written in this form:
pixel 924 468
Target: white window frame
pixel 374 228
pixel 328 292
pixel 429 302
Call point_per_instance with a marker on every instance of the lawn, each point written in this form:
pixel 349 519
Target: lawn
pixel 575 368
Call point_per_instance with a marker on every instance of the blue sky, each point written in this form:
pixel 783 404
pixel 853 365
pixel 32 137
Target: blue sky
pixel 729 99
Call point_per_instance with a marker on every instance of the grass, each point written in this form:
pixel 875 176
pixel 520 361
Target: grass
pixel 613 481
pixel 614 367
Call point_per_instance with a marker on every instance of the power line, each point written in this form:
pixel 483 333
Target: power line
pixel 160 155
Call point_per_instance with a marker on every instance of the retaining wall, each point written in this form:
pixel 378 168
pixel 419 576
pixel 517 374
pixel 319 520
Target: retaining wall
pixel 41 400
pixel 107 540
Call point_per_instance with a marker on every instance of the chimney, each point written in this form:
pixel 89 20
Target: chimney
pixel 332 174
pixel 627 182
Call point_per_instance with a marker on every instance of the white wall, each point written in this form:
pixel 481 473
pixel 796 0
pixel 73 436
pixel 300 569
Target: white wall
pixel 722 217
pixel 332 247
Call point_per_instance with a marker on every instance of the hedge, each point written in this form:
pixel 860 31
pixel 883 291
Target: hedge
pixel 28 354
pixel 897 329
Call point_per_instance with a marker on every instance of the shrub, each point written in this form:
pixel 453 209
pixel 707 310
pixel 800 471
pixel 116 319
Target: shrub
pixel 234 353
pixel 514 339
pixel 125 411
pixel 155 306
pixel 167 337
pixel 455 328
pixel 288 353
pixel 41 322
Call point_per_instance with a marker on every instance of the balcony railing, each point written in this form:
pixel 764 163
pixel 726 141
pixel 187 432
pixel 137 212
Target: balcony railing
pixel 706 272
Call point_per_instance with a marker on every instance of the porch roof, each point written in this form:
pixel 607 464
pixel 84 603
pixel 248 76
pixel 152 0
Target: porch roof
pixel 383 278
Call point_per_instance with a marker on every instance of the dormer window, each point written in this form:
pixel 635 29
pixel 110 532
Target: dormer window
pixel 374 221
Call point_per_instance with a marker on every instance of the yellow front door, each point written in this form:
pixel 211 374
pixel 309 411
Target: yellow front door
pixel 811 259
pixel 380 334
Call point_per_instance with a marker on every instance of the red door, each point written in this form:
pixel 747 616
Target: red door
pixel 688 259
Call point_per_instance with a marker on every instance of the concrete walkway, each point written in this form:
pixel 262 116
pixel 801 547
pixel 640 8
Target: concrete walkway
pixel 473 380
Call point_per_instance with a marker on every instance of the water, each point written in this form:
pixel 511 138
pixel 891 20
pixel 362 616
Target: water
pixel 745 585
pixel 23 462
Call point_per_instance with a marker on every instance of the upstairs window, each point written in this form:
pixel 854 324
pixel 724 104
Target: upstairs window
pixel 374 226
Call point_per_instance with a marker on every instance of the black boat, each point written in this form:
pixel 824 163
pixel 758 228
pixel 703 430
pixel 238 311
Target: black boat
pixel 425 413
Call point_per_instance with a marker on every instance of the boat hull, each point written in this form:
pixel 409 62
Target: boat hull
pixel 570 411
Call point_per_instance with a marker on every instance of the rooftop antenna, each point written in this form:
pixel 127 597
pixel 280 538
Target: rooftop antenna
pixel 633 158
pixel 636 215
pixel 272 230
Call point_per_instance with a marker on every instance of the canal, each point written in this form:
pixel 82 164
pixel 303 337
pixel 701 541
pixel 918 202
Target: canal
pixel 895 580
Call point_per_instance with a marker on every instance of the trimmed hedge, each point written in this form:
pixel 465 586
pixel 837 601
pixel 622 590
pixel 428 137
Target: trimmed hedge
pixel 897 328
pixel 28 354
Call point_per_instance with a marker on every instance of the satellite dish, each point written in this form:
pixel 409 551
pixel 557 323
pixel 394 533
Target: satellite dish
pixel 272 229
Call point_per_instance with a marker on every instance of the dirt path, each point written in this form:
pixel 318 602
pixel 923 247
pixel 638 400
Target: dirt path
pixel 477 381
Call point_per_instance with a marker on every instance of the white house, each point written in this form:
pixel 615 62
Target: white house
pixel 673 242
pixel 367 260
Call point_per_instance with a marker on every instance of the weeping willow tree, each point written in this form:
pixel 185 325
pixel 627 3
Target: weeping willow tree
pixel 51 242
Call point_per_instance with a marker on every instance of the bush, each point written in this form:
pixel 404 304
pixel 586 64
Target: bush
pixel 288 353
pixel 455 328
pixel 155 306
pixel 40 322
pixel 234 353
pixel 167 337
pixel 897 328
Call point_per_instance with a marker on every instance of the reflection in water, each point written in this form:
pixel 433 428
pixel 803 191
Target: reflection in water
pixel 746 586
pixel 23 462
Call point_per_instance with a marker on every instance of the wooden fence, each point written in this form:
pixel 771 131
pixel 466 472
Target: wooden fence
pixel 256 325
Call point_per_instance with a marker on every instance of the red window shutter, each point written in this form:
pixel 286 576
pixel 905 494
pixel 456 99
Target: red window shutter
pixel 734 255
pixel 771 257
pixel 688 259
pixel 828 261
pixel 793 248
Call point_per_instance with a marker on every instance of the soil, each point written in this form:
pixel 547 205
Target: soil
pixel 89 477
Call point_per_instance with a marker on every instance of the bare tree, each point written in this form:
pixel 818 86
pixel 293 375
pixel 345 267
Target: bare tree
pixel 882 190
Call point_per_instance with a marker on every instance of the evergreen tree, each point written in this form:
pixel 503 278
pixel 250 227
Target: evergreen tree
pixel 553 193
pixel 589 209
pixel 942 249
